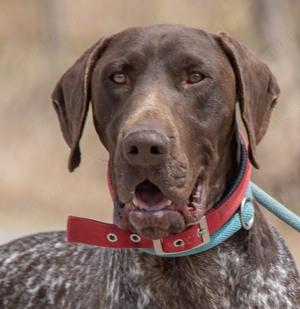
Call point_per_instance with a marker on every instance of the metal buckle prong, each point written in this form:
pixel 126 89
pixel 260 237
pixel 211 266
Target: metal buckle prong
pixel 201 232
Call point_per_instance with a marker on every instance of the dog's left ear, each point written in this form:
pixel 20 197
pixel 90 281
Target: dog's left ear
pixel 71 97
pixel 257 90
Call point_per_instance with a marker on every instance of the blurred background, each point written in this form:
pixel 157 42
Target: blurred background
pixel 40 40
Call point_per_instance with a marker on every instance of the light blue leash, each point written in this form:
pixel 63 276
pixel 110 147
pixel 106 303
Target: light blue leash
pixel 275 207
pixel 244 219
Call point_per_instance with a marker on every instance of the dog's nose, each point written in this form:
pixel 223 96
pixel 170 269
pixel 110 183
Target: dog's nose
pixel 145 147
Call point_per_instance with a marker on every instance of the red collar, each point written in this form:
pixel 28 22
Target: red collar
pixel 91 232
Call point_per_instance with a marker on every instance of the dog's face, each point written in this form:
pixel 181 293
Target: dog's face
pixel 163 102
pixel 165 90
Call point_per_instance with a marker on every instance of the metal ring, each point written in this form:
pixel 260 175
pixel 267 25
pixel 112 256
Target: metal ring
pixel 135 238
pixel 112 237
pixel 246 225
pixel 178 243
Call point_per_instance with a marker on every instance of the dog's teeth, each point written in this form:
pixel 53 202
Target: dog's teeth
pixel 135 202
pixel 169 202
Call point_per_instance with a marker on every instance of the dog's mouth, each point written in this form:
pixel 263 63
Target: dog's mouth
pixel 153 215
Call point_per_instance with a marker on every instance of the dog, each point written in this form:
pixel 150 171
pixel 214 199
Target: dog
pixel 164 106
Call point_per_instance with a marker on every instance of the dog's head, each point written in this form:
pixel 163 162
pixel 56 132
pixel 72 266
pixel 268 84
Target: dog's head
pixel 163 101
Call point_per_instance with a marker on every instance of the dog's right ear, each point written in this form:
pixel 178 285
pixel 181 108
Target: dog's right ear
pixel 257 90
pixel 71 98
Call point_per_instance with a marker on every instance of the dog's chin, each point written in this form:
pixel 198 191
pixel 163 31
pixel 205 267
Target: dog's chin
pixel 156 224
pixel 152 215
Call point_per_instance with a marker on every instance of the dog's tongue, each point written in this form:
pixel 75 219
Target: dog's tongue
pixel 151 202
pixel 149 197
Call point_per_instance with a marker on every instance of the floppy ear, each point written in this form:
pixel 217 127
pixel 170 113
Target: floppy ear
pixel 257 90
pixel 71 98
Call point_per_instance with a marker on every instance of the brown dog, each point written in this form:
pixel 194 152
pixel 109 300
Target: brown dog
pixel 164 107
pixel 163 100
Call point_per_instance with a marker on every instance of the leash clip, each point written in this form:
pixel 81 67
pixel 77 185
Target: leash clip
pixel 201 232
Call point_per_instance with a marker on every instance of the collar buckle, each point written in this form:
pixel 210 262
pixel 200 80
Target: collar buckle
pixel 201 232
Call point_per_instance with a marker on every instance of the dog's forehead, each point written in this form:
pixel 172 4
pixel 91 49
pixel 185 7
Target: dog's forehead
pixel 167 38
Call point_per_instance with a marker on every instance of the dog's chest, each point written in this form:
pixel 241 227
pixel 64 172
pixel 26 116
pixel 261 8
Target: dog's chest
pixel 218 280
pixel 79 276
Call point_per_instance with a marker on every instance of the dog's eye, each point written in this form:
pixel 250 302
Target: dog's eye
pixel 119 78
pixel 194 78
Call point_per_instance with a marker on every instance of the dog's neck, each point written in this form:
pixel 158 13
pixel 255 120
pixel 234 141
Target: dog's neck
pixel 226 171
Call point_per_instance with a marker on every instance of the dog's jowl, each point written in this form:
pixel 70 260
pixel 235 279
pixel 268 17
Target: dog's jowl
pixel 163 100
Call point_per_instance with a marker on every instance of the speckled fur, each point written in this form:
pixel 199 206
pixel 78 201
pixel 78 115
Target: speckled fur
pixel 251 270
